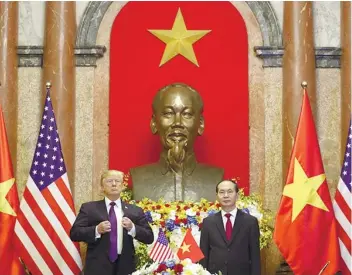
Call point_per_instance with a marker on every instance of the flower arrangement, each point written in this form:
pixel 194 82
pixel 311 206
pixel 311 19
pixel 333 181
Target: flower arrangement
pixel 172 267
pixel 177 216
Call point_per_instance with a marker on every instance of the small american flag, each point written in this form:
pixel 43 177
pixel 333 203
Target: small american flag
pixel 47 210
pixel 161 250
pixel 343 211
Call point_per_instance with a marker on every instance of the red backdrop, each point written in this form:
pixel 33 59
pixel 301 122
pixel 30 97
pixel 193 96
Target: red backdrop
pixel 221 79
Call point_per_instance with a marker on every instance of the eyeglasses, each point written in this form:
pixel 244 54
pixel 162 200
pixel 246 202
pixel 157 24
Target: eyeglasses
pixel 222 193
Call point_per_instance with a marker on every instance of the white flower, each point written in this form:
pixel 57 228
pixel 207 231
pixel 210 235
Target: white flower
pixel 196 233
pixel 190 212
pixel 146 270
pixel 240 204
pixel 190 268
pixel 203 214
pixel 172 215
pixel 176 237
pixel 155 216
pixel 186 261
pixel 254 212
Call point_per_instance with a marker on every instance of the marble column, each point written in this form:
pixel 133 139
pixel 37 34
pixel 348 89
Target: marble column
pixel 8 72
pixel 345 72
pixel 298 66
pixel 59 69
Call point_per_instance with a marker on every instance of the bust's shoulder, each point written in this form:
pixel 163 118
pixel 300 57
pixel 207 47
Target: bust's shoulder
pixel 208 173
pixel 147 168
pixel 209 168
pixel 146 174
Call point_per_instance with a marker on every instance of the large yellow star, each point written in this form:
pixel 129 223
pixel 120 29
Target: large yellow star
pixel 5 187
pixel 185 248
pixel 179 40
pixel 303 191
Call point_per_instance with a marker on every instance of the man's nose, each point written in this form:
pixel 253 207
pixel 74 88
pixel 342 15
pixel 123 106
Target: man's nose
pixel 177 120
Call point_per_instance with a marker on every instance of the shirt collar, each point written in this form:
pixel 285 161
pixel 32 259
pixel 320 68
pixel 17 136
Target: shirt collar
pixel 190 163
pixel 233 213
pixel 117 202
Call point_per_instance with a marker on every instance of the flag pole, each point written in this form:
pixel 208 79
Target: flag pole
pixel 24 266
pixel 324 267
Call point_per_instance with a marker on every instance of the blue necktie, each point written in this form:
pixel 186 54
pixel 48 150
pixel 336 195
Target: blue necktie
pixel 113 233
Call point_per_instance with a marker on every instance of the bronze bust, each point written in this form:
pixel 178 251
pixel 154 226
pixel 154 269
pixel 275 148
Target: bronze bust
pixel 177 119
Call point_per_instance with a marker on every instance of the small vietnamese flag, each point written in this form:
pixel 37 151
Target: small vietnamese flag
pixel 189 249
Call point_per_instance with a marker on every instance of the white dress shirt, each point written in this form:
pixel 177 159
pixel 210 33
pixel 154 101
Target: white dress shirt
pixel 232 218
pixel 119 215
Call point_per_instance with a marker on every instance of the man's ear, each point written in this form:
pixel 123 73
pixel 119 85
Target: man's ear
pixel 152 125
pixel 201 125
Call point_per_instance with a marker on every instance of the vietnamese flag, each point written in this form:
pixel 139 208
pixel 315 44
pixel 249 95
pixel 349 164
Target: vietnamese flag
pixel 189 248
pixel 9 205
pixel 305 229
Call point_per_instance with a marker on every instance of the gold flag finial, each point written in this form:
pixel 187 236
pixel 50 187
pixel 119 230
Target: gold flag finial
pixel 304 84
pixel 48 85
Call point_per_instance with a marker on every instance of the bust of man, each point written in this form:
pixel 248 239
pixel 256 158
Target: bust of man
pixel 178 120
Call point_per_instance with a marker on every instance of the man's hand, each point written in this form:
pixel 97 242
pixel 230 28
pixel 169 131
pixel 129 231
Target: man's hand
pixel 127 223
pixel 104 227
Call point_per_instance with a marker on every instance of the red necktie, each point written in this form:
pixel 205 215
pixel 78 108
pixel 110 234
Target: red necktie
pixel 228 226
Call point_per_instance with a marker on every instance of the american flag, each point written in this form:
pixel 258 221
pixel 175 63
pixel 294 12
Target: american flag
pixel 47 210
pixel 161 250
pixel 343 210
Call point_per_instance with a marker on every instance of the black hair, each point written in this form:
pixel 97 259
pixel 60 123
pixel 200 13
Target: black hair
pixel 234 183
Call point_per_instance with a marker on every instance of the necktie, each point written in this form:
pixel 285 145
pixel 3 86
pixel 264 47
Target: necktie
pixel 228 226
pixel 113 233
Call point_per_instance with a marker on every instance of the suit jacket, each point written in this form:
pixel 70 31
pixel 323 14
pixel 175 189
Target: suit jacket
pixel 240 255
pixel 97 257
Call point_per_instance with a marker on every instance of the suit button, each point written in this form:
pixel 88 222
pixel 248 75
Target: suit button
pixel 225 263
pixel 228 250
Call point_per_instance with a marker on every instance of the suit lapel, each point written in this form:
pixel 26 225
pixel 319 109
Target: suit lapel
pixel 102 210
pixel 126 213
pixel 237 225
pixel 220 225
pixel 125 208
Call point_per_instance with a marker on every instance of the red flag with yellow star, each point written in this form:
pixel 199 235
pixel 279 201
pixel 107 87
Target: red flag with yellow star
pixel 305 229
pixel 9 205
pixel 189 249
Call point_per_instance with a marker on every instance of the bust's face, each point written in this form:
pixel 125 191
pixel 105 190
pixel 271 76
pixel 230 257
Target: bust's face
pixel 177 117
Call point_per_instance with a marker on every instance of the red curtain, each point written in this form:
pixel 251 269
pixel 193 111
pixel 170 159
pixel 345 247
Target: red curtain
pixel 221 79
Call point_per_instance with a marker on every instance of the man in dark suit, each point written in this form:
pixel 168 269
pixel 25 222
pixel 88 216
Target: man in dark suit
pixel 230 238
pixel 108 227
